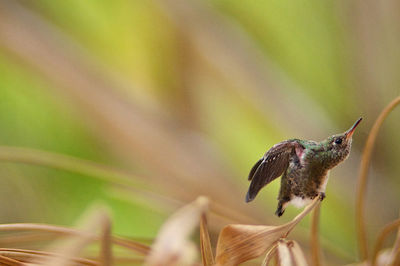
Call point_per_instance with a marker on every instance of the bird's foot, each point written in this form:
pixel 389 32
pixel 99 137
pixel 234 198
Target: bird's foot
pixel 322 196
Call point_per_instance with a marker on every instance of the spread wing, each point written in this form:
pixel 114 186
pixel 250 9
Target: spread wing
pixel 271 165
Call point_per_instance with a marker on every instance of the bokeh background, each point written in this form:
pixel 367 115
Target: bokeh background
pixel 184 96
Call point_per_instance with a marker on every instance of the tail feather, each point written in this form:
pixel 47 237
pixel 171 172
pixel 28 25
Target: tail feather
pixel 249 197
pixel 257 182
pixel 280 210
pixel 254 169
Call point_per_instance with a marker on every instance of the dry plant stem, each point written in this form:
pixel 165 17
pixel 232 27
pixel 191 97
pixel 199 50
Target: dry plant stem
pixel 315 245
pixel 25 255
pixel 362 179
pixel 138 247
pixel 270 255
pixel 74 245
pixel 381 238
pixel 106 244
pixel 66 163
pixel 316 202
pixel 207 255
pixel 8 261
pixel 18 238
pixel 127 261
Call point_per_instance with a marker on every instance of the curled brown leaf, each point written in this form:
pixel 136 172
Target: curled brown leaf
pixel 238 243
pixel 290 253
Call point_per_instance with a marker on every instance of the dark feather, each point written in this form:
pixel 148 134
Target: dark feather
pixel 254 169
pixel 271 166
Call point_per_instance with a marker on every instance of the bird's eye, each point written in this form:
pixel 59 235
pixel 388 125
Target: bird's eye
pixel 338 141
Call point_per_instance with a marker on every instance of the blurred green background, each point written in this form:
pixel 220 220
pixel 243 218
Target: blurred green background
pixel 185 96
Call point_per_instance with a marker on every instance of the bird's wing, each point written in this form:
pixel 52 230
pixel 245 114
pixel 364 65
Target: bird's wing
pixel 271 165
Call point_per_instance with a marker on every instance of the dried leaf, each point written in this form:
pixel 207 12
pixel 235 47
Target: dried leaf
pixel 285 258
pixel 172 246
pixel 298 254
pixel 290 253
pixel 207 255
pixel 383 258
pixel 387 229
pixel 238 243
pixel 10 262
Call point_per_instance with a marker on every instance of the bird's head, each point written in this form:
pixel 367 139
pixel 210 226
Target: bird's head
pixel 338 146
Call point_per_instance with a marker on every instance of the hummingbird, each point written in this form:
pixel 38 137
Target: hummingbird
pixel 304 166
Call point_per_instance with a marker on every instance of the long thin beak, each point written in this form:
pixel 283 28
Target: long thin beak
pixel 350 132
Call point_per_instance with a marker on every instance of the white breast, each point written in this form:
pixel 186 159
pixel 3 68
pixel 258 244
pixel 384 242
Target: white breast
pixel 299 202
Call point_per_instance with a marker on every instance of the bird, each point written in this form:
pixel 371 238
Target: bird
pixel 304 166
